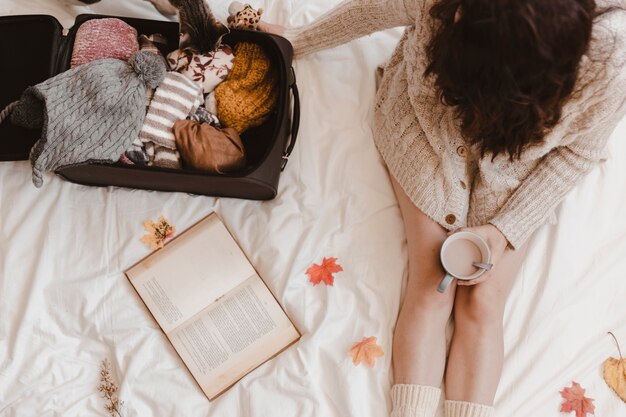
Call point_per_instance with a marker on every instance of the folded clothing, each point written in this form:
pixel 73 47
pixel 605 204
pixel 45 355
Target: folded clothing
pixel 155 43
pixel 204 116
pixel 104 38
pixel 210 104
pixel 125 160
pixel 208 69
pixel 174 99
pixel 207 148
pixel 90 113
pixel 249 93
pixel 136 154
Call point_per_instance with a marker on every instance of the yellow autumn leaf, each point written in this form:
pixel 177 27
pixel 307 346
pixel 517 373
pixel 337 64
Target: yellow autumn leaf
pixel 152 242
pixel 158 233
pixel 614 373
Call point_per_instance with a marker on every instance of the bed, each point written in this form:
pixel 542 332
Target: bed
pixel 65 304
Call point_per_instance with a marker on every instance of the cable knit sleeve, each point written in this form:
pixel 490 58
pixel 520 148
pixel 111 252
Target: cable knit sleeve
pixel 530 205
pixel 564 166
pixel 351 20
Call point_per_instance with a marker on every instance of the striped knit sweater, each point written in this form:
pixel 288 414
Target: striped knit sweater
pixel 419 137
pixel 176 98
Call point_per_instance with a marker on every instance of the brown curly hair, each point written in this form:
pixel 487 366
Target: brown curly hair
pixel 508 66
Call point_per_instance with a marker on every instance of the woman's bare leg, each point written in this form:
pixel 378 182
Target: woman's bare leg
pixel 419 343
pixel 477 350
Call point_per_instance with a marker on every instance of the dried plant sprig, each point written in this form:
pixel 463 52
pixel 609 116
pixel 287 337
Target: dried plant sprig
pixel 617 343
pixel 109 388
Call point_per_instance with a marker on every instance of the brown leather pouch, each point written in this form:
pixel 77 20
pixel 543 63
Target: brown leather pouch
pixel 207 148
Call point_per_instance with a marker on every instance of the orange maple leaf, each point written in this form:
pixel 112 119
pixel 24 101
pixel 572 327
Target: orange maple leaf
pixel 365 351
pixel 575 400
pixel 324 272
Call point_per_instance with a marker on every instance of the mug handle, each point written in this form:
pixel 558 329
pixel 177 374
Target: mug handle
pixel 445 283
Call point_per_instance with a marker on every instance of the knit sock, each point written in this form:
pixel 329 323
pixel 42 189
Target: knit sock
pixel 467 409
pixel 410 400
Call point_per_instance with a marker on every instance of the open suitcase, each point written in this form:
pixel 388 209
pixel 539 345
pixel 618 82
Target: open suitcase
pixel 34 48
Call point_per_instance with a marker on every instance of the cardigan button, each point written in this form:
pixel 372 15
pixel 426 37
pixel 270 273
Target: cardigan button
pixel 463 185
pixel 462 151
pixel 450 219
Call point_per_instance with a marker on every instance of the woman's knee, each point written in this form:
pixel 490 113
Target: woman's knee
pixel 427 301
pixel 484 302
pixel 478 305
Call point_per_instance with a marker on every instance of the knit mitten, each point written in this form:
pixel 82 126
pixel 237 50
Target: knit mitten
pixel 410 400
pixel 175 98
pixel 467 409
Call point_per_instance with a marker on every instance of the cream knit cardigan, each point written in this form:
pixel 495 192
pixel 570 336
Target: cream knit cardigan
pixel 419 137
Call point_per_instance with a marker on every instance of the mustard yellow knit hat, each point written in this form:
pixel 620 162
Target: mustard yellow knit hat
pixel 246 98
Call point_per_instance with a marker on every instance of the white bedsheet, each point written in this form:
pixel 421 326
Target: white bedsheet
pixel 65 304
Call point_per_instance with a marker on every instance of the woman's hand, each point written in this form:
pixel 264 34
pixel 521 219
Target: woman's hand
pixel 497 245
pixel 271 28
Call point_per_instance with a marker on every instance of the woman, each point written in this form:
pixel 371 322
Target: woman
pixel 488 113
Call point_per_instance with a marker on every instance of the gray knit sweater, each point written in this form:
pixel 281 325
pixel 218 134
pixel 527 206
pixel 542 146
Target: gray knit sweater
pixel 419 138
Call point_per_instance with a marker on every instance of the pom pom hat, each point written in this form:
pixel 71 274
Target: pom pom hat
pixel 90 113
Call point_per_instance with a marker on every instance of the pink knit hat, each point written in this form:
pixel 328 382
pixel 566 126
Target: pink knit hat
pixel 104 38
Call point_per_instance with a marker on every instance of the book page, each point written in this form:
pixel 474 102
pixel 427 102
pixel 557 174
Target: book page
pixel 189 273
pixel 233 336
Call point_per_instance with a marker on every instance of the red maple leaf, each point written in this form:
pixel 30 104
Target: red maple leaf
pixel 575 400
pixel 324 272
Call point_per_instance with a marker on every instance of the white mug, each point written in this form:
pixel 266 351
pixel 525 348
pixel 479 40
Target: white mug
pixel 457 258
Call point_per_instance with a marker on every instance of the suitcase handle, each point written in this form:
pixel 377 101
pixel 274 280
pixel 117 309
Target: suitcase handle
pixel 295 120
pixel 8 110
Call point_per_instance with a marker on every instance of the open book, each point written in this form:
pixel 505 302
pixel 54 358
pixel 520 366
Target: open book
pixel 212 305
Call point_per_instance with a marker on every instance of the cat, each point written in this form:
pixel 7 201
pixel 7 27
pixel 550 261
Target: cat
pixel 199 28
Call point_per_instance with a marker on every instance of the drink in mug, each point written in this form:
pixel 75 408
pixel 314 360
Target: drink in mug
pixel 458 253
